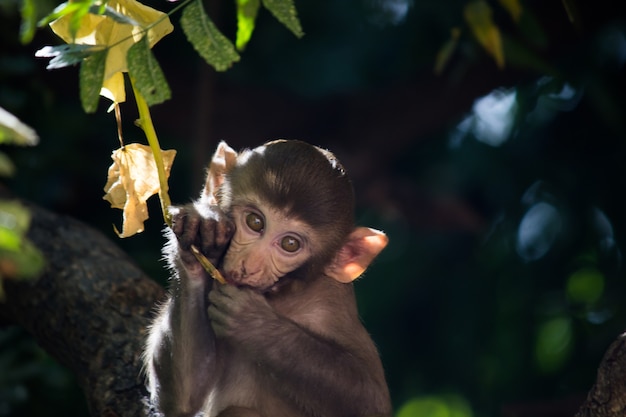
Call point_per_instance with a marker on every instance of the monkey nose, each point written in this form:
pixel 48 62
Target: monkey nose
pixel 237 275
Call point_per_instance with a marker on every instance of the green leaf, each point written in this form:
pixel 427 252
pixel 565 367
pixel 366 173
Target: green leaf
pixel 13 131
pixel 513 7
pixel 29 22
pixel 446 51
pixel 285 12
pixel 19 258
pixel 7 168
pixel 61 10
pixel 147 74
pixel 206 39
pixel 66 55
pixel 91 78
pixel 113 14
pixel 29 261
pixel 478 15
pixel 573 12
pixel 14 222
pixel 77 8
pixel 553 345
pixel 247 11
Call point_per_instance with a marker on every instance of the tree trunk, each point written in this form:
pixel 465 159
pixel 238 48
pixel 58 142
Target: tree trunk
pixel 89 310
pixel 607 397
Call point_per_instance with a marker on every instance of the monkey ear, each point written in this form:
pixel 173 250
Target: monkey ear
pixel 224 159
pixel 353 258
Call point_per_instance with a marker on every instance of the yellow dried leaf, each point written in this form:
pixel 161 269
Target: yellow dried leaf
pixel 514 8
pixel 131 180
pixel 105 31
pixel 478 15
pixel 446 51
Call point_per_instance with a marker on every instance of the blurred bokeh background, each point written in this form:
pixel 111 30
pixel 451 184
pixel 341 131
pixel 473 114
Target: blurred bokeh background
pixel 501 189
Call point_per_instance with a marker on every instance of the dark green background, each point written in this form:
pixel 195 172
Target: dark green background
pixel 503 283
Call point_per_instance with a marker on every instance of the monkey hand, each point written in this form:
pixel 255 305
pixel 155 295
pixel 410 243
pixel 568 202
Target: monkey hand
pixel 236 313
pixel 205 227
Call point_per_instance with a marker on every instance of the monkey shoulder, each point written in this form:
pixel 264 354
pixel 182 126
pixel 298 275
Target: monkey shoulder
pixel 325 307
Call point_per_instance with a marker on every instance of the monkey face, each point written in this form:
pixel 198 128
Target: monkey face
pixel 266 245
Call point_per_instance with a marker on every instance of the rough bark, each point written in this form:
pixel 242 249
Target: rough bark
pixel 89 310
pixel 607 397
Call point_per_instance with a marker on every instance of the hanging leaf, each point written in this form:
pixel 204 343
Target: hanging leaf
pixel 13 131
pixel 573 13
pixel 115 33
pixel 446 51
pixel 7 168
pixel 247 11
pixel 91 77
pixel 513 7
pixel 119 17
pixel 19 259
pixel 478 16
pixel 206 38
pixel 72 11
pixel 132 179
pixel 29 21
pixel 66 55
pixel 285 12
pixel 147 74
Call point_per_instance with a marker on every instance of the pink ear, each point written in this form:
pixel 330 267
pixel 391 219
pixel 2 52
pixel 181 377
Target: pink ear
pixel 353 258
pixel 224 159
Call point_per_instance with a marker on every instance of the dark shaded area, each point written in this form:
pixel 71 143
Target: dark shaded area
pixel 89 310
pixel 503 284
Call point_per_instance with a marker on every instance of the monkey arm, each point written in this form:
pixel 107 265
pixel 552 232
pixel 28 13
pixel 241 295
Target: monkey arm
pixel 335 373
pixel 181 354
pixel 333 379
pixel 181 351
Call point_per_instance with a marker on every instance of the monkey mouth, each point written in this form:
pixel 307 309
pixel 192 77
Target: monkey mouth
pixel 238 280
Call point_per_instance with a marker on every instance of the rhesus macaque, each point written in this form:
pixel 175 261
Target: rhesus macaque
pixel 282 338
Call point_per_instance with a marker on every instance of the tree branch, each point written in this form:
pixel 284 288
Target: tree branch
pixel 89 310
pixel 607 397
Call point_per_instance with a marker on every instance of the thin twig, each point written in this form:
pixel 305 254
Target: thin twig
pixel 208 266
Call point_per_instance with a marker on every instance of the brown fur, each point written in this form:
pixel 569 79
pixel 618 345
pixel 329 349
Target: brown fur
pixel 293 349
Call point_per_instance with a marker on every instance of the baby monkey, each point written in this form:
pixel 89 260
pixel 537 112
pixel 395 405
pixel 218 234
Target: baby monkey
pixel 282 338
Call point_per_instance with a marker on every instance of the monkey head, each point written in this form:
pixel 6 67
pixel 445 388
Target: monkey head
pixel 292 205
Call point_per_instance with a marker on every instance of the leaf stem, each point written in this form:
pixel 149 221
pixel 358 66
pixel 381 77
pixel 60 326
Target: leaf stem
pixel 145 123
pixel 207 265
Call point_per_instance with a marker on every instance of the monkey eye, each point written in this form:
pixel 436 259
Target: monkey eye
pixel 255 222
pixel 290 244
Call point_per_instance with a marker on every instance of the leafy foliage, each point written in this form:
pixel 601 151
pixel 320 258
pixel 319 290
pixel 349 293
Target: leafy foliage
pixel 285 12
pixel 147 74
pixel 91 77
pixel 13 131
pixel 247 11
pixel 91 26
pixel 114 37
pixel 66 55
pixel 206 39
pixel 19 259
pixel 478 15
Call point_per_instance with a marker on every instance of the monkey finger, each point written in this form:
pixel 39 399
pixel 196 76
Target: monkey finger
pixel 218 296
pixel 215 236
pixel 218 321
pixel 187 230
